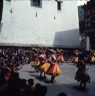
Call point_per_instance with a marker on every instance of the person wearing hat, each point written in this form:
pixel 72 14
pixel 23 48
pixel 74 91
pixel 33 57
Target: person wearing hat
pixel 44 68
pixel 36 63
pixel 60 58
pixel 55 70
pixel 42 60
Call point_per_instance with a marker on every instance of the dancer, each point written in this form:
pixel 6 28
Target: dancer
pixel 81 74
pixel 55 70
pixel 36 63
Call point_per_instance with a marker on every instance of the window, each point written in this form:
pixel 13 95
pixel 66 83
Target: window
pixel 58 5
pixel 94 10
pixel 88 12
pixel 86 25
pixel 89 19
pixel 89 24
pixel 86 20
pixel 36 3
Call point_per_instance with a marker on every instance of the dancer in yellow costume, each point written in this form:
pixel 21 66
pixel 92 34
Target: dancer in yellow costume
pixel 60 58
pixel 44 68
pixel 36 63
pixel 55 71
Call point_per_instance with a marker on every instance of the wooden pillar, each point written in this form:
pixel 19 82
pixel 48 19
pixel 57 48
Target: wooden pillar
pixel 88 43
pixel 1 9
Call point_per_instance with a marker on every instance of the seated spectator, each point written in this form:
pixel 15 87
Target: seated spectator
pixel 62 94
pixel 30 88
pixel 38 88
pixel 31 82
pixel 43 91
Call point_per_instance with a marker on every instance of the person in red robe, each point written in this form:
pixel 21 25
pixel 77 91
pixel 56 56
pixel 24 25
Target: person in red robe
pixel 55 70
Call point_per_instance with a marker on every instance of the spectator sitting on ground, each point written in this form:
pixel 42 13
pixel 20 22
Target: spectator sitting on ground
pixel 38 88
pixel 62 94
pixel 44 90
pixel 30 88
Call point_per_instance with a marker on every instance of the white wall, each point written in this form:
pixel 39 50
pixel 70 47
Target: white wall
pixel 23 27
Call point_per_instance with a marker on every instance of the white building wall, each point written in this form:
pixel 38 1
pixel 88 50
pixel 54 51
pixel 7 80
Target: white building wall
pixel 23 27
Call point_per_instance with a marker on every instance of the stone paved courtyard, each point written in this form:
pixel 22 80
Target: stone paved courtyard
pixel 65 82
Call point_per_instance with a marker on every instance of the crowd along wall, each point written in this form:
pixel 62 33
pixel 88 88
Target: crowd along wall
pixel 25 24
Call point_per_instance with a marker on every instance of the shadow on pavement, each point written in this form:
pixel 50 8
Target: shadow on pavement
pixel 34 75
pixel 43 79
pixel 69 89
pixel 80 88
pixel 29 71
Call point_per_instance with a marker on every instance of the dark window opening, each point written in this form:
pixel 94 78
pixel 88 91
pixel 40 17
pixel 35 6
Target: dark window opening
pixel 36 3
pixel 58 5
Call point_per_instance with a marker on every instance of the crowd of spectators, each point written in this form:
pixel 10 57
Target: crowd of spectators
pixel 12 59
pixel 16 86
pixel 10 84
